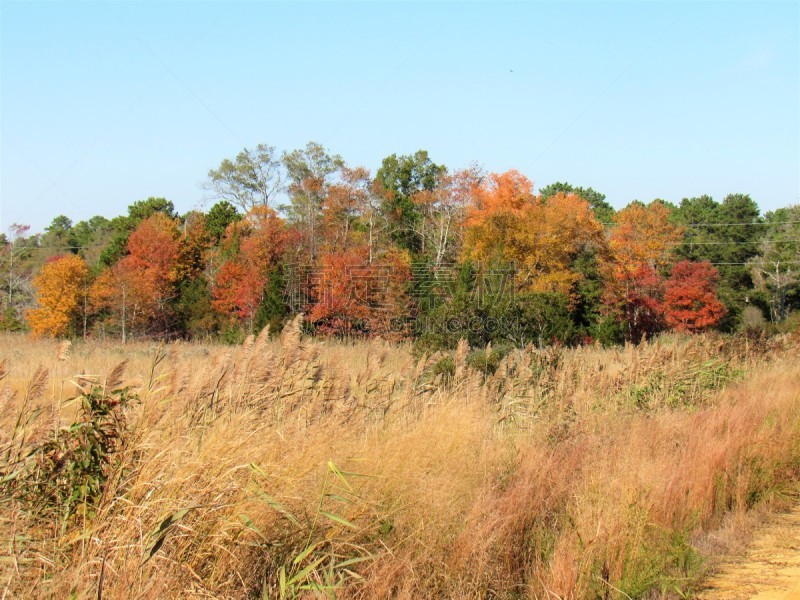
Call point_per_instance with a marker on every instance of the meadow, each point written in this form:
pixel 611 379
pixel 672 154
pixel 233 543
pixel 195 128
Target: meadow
pixel 297 467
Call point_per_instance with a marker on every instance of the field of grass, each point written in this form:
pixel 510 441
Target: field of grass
pixel 294 468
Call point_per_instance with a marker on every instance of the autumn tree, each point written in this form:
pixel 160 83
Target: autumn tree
pixel 340 212
pixel 496 208
pixel 194 242
pixel 641 246
pixel 154 250
pixel 137 292
pixel 123 297
pixel 341 290
pixel 541 239
pixel 236 292
pixel 254 248
pixel 633 299
pixel 266 238
pixel 123 225
pixel 643 235
pixel 62 295
pixel 690 300
pixel 154 247
pixel 389 298
pixel 549 238
pixel 353 296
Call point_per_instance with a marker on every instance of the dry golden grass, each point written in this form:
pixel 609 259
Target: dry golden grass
pixel 565 474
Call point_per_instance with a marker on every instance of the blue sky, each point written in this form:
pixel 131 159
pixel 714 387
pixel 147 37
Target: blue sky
pixel 106 103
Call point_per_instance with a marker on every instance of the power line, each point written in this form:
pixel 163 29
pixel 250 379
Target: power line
pixel 744 224
pixel 782 262
pixel 732 243
pixel 740 224
pixel 59 247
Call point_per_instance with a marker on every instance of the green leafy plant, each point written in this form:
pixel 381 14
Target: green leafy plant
pixel 67 474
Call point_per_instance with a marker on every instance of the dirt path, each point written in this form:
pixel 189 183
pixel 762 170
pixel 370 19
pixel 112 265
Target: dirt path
pixel 770 569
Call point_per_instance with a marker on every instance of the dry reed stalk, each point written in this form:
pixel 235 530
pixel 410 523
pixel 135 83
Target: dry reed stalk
pixel 564 495
pixel 114 380
pixel 63 350
pixel 290 339
pixel 460 360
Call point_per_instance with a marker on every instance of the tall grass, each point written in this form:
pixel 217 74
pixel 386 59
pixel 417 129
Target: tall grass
pixel 288 467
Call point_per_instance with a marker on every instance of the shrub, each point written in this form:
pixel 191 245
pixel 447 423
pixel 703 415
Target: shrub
pixel 67 475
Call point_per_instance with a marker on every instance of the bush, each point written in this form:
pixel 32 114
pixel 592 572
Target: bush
pixel 487 360
pixel 539 319
pixel 67 475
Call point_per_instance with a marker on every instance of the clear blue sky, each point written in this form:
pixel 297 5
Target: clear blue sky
pixel 105 103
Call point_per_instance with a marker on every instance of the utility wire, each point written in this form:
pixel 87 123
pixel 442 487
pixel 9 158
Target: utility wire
pixel 782 262
pixel 733 243
pixel 745 224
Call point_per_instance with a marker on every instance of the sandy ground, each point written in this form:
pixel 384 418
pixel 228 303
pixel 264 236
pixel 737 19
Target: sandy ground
pixel 769 570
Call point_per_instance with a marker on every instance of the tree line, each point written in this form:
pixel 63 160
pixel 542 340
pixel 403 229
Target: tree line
pixel 415 251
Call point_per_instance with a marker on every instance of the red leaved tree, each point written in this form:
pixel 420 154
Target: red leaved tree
pixel 690 299
pixel 154 251
pixel 633 298
pixel 237 291
pixel 641 245
pixel 340 288
pixel 256 246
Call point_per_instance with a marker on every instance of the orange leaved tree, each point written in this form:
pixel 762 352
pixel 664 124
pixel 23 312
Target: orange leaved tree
pixel 341 293
pixel 496 207
pixel 643 236
pixel 353 296
pixel 540 238
pixel 237 291
pixel 125 295
pixel 61 292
